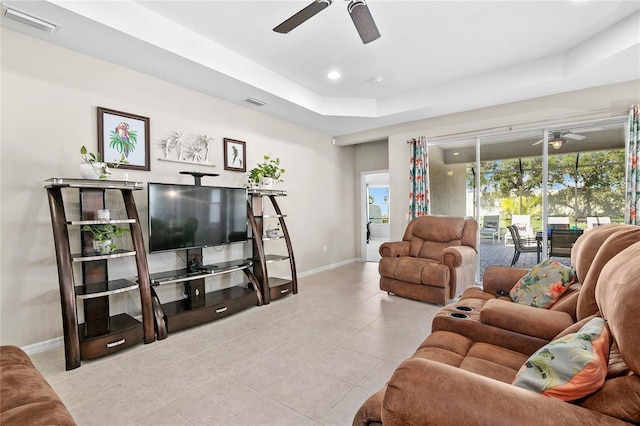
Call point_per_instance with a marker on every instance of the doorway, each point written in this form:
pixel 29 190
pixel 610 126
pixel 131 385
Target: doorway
pixel 375 213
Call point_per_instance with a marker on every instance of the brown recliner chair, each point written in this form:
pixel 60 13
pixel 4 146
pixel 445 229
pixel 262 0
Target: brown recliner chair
pixel 435 261
pixel 452 379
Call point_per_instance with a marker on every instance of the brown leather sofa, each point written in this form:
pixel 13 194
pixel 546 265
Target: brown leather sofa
pixel 435 261
pixel 25 396
pixel 456 379
pixel 488 314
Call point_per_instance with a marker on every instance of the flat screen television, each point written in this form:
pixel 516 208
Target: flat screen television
pixel 189 216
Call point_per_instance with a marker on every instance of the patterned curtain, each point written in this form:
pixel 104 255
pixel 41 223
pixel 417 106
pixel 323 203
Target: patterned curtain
pixel 632 209
pixel 419 177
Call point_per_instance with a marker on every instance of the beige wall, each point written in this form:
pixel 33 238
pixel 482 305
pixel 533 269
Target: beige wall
pixel 49 100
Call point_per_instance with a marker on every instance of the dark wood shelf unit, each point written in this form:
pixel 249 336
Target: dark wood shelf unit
pixel 185 313
pixel 199 306
pixel 101 333
pixel 123 331
pixel 272 287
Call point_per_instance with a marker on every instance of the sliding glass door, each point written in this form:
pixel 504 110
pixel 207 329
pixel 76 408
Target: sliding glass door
pixel 573 179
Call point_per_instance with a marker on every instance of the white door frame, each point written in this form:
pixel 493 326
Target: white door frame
pixel 364 202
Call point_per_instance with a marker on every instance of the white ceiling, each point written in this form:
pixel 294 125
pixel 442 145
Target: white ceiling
pixel 434 57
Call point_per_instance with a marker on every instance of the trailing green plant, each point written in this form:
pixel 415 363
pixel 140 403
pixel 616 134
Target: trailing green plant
pixel 105 232
pixel 270 168
pixel 98 164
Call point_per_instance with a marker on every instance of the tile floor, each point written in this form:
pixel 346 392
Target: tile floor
pixel 307 359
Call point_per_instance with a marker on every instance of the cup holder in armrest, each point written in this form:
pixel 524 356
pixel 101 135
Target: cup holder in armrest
pixel 458 315
pixel 464 308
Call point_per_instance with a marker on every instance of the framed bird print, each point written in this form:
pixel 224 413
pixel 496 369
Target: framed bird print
pixel 123 134
pixel 235 155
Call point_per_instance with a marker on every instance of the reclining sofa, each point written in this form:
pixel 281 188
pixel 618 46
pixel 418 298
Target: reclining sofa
pixel 464 375
pixel 25 396
pixel 488 314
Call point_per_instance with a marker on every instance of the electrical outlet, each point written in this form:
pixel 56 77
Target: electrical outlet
pixel 324 248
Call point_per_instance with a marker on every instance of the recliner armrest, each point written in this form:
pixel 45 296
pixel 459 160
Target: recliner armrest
pixel 542 323
pixel 426 392
pixel 394 249
pixel 499 280
pixel 458 255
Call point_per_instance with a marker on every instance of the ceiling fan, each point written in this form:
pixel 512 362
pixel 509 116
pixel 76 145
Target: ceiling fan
pixel 358 10
pixel 560 138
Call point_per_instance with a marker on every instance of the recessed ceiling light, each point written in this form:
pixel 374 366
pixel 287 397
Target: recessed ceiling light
pixel 375 79
pixel 333 75
pixel 456 153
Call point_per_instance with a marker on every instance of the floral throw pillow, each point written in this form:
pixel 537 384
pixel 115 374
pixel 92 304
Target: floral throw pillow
pixel 570 367
pixel 543 285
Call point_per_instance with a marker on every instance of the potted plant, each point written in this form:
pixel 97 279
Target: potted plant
pixel 103 236
pixel 94 167
pixel 265 174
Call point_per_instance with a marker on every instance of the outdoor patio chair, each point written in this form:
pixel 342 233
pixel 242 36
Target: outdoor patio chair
pixel 490 228
pixel 593 221
pixel 523 223
pixel 558 222
pixel 562 241
pixel 523 245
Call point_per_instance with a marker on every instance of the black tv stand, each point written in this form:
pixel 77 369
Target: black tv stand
pixel 198 306
pixel 197 176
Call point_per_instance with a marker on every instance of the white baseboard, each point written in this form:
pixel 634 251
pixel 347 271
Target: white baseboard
pixel 43 346
pixel 327 267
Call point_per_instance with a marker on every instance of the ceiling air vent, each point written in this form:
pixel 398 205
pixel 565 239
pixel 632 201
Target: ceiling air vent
pixel 31 21
pixel 256 102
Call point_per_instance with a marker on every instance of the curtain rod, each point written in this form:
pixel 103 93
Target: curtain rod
pixel 509 128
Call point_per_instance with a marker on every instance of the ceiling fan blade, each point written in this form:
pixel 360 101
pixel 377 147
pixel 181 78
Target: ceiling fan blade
pixel 362 19
pixel 308 12
pixel 574 136
pixel 537 143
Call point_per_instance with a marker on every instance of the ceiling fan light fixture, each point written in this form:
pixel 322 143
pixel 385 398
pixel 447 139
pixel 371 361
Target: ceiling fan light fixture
pixel 557 141
pixel 556 144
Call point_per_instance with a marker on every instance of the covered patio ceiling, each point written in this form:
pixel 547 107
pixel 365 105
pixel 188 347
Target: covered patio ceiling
pixel 597 137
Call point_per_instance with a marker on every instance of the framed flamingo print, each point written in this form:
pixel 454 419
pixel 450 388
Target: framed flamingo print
pixel 235 155
pixel 121 133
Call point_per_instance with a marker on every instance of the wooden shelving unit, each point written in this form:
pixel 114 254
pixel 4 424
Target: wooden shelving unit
pixel 100 333
pixel 272 287
pixel 198 306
